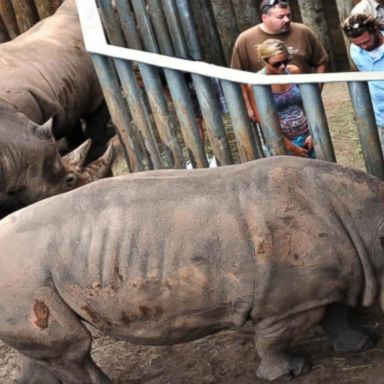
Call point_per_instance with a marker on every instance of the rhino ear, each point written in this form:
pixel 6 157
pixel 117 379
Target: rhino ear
pixel 45 131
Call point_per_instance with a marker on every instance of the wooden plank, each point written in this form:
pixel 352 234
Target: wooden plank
pixel 4 36
pixel 247 13
pixel 207 31
pixel 313 15
pixel 46 8
pixel 226 25
pixel 9 18
pixel 26 14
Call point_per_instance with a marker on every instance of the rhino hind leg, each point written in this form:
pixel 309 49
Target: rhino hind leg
pixel 54 341
pixel 272 339
pixel 343 334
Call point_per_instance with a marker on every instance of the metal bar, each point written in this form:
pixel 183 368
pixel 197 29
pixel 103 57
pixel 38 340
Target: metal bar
pixel 178 89
pixel 118 109
pixel 366 124
pixel 249 149
pixel 133 95
pixel 269 120
pixel 165 121
pixel 318 125
pixel 205 87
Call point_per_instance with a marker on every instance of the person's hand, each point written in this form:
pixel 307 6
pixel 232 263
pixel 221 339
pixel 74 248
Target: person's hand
pixel 309 143
pixel 296 150
pixel 251 114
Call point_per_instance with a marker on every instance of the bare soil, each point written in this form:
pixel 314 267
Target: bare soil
pixel 229 357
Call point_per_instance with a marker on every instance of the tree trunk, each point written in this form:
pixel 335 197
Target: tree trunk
pixel 344 8
pixel 313 15
pixel 26 14
pixel 9 18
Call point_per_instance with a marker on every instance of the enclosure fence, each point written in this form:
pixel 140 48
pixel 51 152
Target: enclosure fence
pixel 160 131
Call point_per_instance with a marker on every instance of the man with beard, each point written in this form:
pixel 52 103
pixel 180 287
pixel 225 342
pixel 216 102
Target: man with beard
pixel 367 52
pixel 308 53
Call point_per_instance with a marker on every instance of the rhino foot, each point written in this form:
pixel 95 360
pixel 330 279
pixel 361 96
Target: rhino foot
pixel 353 340
pixel 289 368
pixel 344 335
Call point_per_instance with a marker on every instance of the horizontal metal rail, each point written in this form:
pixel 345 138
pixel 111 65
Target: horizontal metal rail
pixel 95 42
pixel 252 142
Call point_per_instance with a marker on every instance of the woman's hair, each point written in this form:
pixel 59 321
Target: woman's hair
pixel 273 47
pixel 357 24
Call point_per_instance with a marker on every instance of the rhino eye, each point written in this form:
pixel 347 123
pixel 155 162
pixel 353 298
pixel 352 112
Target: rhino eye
pixel 382 241
pixel 70 180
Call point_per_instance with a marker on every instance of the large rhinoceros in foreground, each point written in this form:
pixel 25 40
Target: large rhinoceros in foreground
pixel 46 72
pixel 166 257
pixel 31 167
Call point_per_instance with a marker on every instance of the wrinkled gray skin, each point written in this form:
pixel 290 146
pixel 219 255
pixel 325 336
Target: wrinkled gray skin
pixel 166 257
pixel 31 167
pixel 46 72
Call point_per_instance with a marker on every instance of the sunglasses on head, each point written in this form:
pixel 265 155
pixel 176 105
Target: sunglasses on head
pixel 272 3
pixel 278 64
pixel 356 29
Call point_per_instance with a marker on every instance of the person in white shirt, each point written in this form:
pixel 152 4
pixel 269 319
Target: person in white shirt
pixel 373 8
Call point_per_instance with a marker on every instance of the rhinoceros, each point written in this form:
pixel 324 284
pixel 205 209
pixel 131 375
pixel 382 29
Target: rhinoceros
pixel 46 72
pixel 170 256
pixel 31 167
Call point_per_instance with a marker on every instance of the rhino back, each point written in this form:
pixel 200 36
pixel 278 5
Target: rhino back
pixel 46 71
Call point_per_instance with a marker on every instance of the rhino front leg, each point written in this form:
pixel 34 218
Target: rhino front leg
pixel 344 335
pixel 33 372
pixel 272 339
pixel 54 341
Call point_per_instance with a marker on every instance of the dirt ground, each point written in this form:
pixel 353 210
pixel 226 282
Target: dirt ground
pixel 229 357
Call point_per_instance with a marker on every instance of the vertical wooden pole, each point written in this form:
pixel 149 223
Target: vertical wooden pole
pixel 45 8
pixel 26 14
pixel 207 31
pixel 313 15
pixel 226 25
pixel 4 36
pixel 344 8
pixel 247 13
pixel 9 18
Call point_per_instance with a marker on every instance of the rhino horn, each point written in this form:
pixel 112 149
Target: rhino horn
pixel 100 167
pixel 77 157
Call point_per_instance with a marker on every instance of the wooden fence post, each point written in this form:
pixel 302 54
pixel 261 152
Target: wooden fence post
pixel 9 18
pixel 344 8
pixel 4 35
pixel 313 15
pixel 226 25
pixel 46 8
pixel 26 14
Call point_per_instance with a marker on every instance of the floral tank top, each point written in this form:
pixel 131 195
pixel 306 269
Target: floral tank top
pixel 290 112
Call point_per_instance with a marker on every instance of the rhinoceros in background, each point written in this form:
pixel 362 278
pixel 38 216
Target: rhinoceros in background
pixel 169 256
pixel 46 72
pixel 31 168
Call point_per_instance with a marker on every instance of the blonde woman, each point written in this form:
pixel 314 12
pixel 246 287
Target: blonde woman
pixel 294 124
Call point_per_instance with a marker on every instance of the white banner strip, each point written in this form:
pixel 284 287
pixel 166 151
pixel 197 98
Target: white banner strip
pixel 95 42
